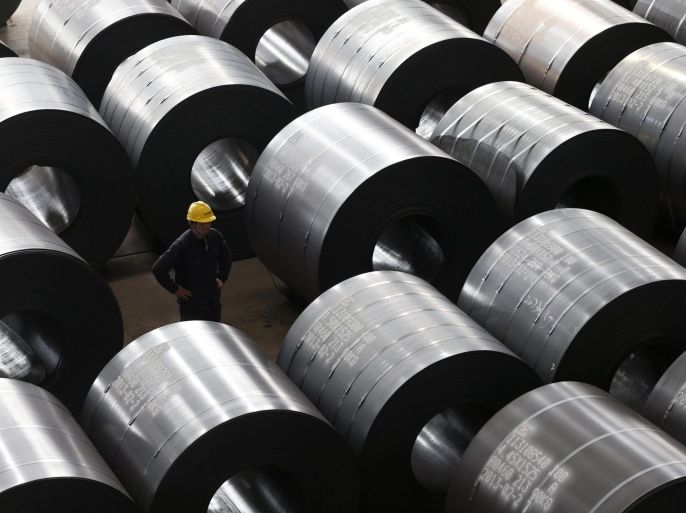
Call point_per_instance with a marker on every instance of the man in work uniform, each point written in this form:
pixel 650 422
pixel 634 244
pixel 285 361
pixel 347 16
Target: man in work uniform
pixel 201 261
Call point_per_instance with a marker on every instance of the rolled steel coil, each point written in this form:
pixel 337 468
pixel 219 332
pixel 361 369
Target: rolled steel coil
pixel 566 47
pixel 578 297
pixel 644 95
pixel 666 404
pixel 403 57
pixel 570 448
pixel 193 113
pixel 88 39
pixel 474 14
pixel 187 407
pixel 59 157
pixel 56 304
pixel 537 153
pixel 48 464
pixel 668 14
pixel 680 250
pixel 5 51
pixel 7 9
pixel 345 189
pixel 405 377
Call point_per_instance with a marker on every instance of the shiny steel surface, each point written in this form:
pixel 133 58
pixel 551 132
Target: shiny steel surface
pixel 209 17
pixel 7 8
pixel 345 189
pixel 536 153
pixel 256 491
pixel 405 377
pixel 47 460
pixel 565 47
pixel 569 448
pixel 680 250
pixel 666 404
pixel 187 406
pixel 644 95
pixel 574 294
pixel 17 359
pixel 284 52
pixel 668 14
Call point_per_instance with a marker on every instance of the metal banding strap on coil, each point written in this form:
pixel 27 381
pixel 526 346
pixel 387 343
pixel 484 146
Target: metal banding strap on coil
pixel 666 404
pixel 405 377
pixel 405 58
pixel 537 153
pixel 193 114
pixel 7 8
pixel 59 321
pixel 48 464
pixel 569 447
pixel 579 297
pixel 5 51
pixel 195 406
pixel 88 39
pixel 566 47
pixel 278 36
pixel 345 189
pixel 474 14
pixel 61 160
pixel 645 96
pixel 668 14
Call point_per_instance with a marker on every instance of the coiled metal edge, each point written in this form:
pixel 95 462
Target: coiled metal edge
pixel 668 14
pixel 536 153
pixel 193 113
pixel 194 405
pixel 405 377
pixel 345 189
pixel 665 405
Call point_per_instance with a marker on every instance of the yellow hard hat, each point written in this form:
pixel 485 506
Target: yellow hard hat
pixel 200 212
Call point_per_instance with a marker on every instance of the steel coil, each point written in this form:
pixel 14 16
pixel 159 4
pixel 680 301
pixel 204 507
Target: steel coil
pixel 578 297
pixel 644 95
pixel 566 47
pixel 193 113
pixel 403 57
pixel 47 462
pixel 666 404
pixel 680 250
pixel 194 405
pixel 88 39
pixel 7 9
pixel 569 448
pixel 345 189
pixel 537 153
pixel 56 304
pixel 60 159
pixel 405 377
pixel 5 51
pixel 278 36
pixel 668 14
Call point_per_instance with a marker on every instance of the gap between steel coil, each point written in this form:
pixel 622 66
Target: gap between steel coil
pixel 7 9
pixel 194 416
pixel 5 51
pixel 666 405
pixel 668 14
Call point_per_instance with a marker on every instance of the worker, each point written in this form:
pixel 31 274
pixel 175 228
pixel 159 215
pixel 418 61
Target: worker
pixel 201 261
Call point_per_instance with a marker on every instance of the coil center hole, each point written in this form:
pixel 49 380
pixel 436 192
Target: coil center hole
pixel 257 490
pixel 456 12
pixel 221 171
pixel 284 51
pixel 49 193
pixel 410 244
pixel 443 441
pixel 435 110
pixel 592 193
pixel 31 345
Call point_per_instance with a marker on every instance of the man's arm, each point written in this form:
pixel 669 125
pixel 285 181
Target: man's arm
pixel 163 266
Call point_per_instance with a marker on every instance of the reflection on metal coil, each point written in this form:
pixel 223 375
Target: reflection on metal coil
pixel 345 189
pixel 194 414
pixel 565 47
pixel 193 113
pixel 59 321
pixel 666 404
pixel 569 447
pixel 644 95
pixel 7 8
pixel 668 14
pixel 579 297
pixel 402 56
pixel 406 377
pixel 88 39
pixel 537 153
pixel 48 464
pixel 680 250
pixel 60 159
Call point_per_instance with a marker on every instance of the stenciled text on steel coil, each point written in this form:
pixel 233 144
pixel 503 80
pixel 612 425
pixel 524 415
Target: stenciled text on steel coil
pixel 195 406
pixel 345 189
pixel 668 14
pixel 48 464
pixel 666 404
pixel 88 39
pixel 644 95
pixel 405 58
pixel 569 448
pixel 566 47
pixel 537 153
pixel 60 159
pixel 54 303
pixel 579 297
pixel 405 377
pixel 193 113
